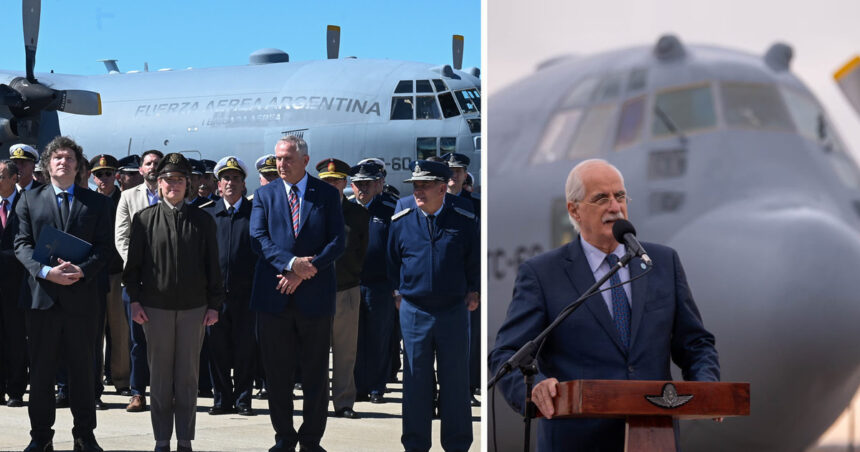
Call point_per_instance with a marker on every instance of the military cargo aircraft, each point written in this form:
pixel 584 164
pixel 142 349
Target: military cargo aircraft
pixel 348 108
pixel 729 158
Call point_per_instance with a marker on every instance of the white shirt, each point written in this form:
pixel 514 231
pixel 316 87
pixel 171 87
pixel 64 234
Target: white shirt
pixel 9 201
pixel 235 206
pixel 599 267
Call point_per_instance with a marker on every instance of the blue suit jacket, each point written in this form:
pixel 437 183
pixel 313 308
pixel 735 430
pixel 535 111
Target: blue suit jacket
pixel 321 234
pixel 665 324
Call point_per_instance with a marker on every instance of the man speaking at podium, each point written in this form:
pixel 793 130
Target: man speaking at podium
pixel 629 333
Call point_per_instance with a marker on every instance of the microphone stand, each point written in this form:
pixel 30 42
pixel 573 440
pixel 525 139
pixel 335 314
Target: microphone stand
pixel 525 359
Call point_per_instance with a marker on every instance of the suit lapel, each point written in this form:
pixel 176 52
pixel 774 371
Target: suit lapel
pixel 639 293
pixel 582 278
pixel 309 198
pixel 75 208
pixel 51 198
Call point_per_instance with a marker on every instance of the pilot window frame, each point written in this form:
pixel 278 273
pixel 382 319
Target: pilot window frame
pixel 636 136
pixel 420 152
pixel 429 101
pixel 654 119
pixel 776 103
pixel 598 130
pixel 462 100
pixel 835 142
pixel 557 136
pixel 401 87
pixel 397 101
pixel 449 107
pixel 439 82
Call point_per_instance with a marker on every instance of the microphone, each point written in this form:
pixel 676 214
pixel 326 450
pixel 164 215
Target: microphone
pixel 625 233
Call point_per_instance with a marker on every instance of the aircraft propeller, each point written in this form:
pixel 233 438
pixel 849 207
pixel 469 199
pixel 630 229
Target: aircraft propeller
pixel 28 100
pixel 333 41
pixel 457 49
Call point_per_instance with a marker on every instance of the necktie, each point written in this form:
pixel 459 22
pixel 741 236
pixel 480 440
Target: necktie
pixel 431 225
pixel 231 211
pixel 620 306
pixel 64 208
pixel 3 214
pixel 295 214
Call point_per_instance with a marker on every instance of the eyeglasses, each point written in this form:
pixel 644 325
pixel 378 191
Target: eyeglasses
pixel 101 174
pixel 173 180
pixel 602 199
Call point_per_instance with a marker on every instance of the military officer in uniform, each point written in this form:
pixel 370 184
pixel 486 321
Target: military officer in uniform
pixel 129 172
pixel 232 341
pixel 209 183
pixel 434 261
pixel 459 165
pixel 266 166
pixel 348 268
pixel 377 308
pixel 26 158
pixel 13 335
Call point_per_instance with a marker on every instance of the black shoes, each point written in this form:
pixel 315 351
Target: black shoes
pixel 216 410
pixel 125 392
pixel 61 401
pixel 347 412
pixel 40 447
pixel 376 397
pixel 101 405
pixel 297 386
pixel 14 402
pixel 87 445
pixel 244 411
pixel 162 448
pixel 183 449
pixel 262 394
pixel 473 401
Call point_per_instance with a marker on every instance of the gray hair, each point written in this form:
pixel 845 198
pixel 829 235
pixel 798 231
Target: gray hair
pixel 574 188
pixel 300 144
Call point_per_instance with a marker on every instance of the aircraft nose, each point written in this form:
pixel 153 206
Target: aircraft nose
pixel 777 284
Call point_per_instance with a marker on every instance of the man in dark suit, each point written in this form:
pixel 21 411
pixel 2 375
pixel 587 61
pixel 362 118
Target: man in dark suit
pixel 13 336
pixel 628 333
pixel 64 296
pixel 299 226
pixel 232 341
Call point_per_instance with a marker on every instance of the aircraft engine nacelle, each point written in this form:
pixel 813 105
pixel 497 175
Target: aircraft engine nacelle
pixel 8 130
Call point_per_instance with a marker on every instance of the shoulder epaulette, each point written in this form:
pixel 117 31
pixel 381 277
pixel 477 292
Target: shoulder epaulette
pixel 464 213
pixel 401 213
pixel 207 204
pixel 389 204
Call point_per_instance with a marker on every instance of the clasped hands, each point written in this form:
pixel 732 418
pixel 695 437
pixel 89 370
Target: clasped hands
pixel 65 273
pixel 303 268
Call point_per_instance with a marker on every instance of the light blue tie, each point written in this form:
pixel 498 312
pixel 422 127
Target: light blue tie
pixel 620 305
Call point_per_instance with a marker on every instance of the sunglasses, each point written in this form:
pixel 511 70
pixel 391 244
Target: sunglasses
pixel 101 174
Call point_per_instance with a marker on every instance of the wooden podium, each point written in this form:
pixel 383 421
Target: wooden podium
pixel 650 406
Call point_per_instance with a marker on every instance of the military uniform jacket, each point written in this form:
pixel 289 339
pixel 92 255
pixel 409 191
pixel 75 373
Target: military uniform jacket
pixel 237 257
pixel 375 261
pixel 348 265
pixel 173 259
pixel 434 272
pixel 12 271
pixel 89 220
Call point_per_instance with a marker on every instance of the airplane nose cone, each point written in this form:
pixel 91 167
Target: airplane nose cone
pixel 777 285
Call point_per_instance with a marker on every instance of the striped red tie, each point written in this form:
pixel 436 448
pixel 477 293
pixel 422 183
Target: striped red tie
pixel 294 209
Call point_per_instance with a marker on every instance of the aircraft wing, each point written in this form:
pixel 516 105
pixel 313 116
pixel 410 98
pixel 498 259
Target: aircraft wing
pixel 848 79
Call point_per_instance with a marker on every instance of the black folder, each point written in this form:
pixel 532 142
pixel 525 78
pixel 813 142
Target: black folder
pixel 54 244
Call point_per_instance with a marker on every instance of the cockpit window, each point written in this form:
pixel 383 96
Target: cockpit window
pixel 593 132
pixel 687 109
pixel 630 122
pixel 556 136
pixel 425 147
pixel 402 108
pixel 638 79
pixel 610 88
pixel 807 116
pixel 754 106
pixel 426 108
pixel 582 93
pixel 439 84
pixel 405 86
pixel 469 100
pixel 449 107
pixel 423 86
pixel 447 144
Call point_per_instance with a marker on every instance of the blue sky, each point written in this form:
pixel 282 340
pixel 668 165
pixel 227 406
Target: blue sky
pixel 179 34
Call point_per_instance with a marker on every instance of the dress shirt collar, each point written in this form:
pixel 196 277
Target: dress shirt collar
pixel 70 190
pixel 10 199
pixel 29 186
pixel 302 185
pixel 227 204
pixel 595 256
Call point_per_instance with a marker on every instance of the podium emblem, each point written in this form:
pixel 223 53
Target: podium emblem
pixel 670 397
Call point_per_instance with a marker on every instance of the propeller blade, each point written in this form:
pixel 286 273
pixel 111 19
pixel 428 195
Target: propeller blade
pixel 9 97
pixel 848 79
pixel 333 41
pixel 79 102
pixel 31 11
pixel 457 49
